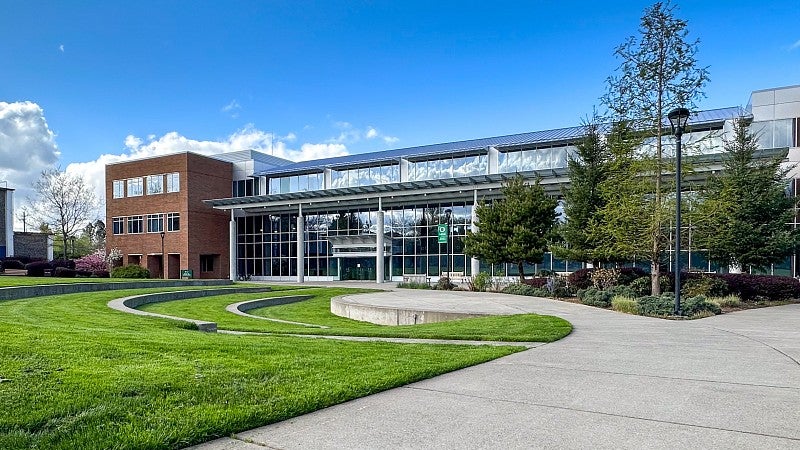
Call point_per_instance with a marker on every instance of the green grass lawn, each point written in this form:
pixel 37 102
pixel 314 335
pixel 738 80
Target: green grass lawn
pixel 516 328
pixel 75 374
pixel 13 280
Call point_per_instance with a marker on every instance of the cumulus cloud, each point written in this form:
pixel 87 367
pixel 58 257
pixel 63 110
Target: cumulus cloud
pixel 27 147
pixel 61 48
pixel 247 138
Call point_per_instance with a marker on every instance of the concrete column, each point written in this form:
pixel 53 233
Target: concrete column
pixel 475 264
pixel 379 248
pixel 301 250
pixel 232 244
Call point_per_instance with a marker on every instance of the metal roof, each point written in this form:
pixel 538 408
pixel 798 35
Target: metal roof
pixel 544 137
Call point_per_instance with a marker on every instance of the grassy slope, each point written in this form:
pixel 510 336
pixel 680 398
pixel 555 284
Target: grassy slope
pixel 79 375
pixel 516 328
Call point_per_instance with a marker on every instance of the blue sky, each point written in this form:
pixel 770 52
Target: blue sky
pixel 139 77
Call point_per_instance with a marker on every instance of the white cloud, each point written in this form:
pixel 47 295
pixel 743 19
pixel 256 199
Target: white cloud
pixel 27 147
pixel 351 135
pixel 246 138
pixel 795 46
pixel 232 108
pixel 61 48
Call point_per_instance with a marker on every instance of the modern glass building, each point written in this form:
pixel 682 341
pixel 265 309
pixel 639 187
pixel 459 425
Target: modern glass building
pixel 374 216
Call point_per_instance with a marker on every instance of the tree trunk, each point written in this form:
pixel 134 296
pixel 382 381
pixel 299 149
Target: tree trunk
pixel 521 271
pixel 655 278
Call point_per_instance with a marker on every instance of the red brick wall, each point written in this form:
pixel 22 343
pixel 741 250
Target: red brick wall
pixel 203 230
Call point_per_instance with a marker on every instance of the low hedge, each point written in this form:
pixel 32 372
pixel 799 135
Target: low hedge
pixel 130 271
pixel 64 272
pixel 37 269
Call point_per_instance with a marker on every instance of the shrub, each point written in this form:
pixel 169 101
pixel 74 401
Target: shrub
pixel 444 284
pixel 412 285
pixel 604 278
pixel 68 263
pixel 580 279
pixel 699 305
pixel 37 269
pixel 628 275
pixel 83 273
pixel 755 287
pixel 624 304
pixel 520 289
pixel 130 271
pixel 537 282
pixel 641 286
pixel 542 292
pixel 101 274
pixel 64 272
pixel 705 286
pixel 729 301
pixel 93 262
pixel 13 264
pixel 595 297
pixel 656 305
pixel 480 282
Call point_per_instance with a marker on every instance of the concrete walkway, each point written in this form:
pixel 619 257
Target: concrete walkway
pixel 618 381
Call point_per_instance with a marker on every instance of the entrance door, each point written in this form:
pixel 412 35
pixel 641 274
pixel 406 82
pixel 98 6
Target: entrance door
pixel 357 268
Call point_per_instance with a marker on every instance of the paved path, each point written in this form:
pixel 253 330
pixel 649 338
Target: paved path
pixel 618 381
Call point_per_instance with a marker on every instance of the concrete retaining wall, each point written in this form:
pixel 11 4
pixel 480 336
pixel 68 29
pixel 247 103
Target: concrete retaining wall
pixel 129 304
pixel 17 292
pixel 392 316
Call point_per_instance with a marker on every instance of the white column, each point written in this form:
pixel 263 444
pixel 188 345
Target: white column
pixel 301 251
pixel 379 249
pixel 475 264
pixel 232 251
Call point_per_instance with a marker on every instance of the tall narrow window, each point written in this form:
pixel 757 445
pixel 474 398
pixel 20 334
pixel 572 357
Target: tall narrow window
pixel 118 225
pixel 173 222
pixel 155 184
pixel 119 188
pixel 135 224
pixel 173 182
pixel 134 187
pixel 155 223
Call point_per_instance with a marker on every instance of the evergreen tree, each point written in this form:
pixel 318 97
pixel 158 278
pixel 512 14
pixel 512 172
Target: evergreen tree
pixel 588 169
pixel 743 215
pixel 620 222
pixel 658 73
pixel 514 229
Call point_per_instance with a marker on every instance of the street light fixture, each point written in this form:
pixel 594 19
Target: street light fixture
pixel 678 118
pixel 163 258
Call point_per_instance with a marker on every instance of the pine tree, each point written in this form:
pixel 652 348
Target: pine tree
pixel 588 169
pixel 514 229
pixel 743 215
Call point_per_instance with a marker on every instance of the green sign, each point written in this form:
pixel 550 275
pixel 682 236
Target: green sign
pixel 186 273
pixel 441 231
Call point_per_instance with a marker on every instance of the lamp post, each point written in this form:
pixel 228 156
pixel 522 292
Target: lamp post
pixel 678 118
pixel 448 212
pixel 163 258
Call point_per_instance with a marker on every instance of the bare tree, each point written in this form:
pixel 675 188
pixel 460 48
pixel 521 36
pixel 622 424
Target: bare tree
pixel 63 202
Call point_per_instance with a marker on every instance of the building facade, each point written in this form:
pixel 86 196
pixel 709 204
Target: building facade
pixel 375 216
pixel 156 217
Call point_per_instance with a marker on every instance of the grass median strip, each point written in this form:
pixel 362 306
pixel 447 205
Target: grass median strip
pixel 76 374
pixel 516 328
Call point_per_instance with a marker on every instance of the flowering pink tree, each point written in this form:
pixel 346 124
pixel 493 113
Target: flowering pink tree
pixel 93 263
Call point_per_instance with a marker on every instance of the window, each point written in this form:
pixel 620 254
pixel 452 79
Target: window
pixel 206 263
pixel 119 189
pixel 155 184
pixel 173 221
pixel 173 182
pixel 134 224
pixel 118 226
pixel 155 223
pixel 134 187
